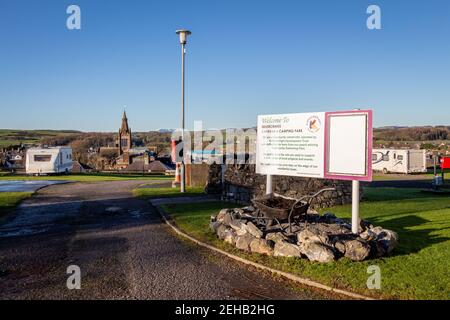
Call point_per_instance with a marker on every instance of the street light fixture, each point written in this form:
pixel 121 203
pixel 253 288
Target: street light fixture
pixel 183 39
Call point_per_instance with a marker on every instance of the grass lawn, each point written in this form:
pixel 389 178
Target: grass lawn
pixel 418 269
pixel 8 200
pixel 87 177
pixel 377 176
pixel 167 192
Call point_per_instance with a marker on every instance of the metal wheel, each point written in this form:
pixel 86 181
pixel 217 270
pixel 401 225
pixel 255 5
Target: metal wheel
pixel 260 217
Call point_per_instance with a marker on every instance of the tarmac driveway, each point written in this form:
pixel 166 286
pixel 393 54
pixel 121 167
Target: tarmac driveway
pixel 123 249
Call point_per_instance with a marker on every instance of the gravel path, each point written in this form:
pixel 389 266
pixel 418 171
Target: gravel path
pixel 123 249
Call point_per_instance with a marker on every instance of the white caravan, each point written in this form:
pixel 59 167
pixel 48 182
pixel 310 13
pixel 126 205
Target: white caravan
pixel 399 160
pixel 49 160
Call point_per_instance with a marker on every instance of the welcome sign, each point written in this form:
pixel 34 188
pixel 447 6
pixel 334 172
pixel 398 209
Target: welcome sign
pixel 331 145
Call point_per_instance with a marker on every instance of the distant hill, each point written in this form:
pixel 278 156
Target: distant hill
pixel 424 133
pixel 11 137
pixel 390 136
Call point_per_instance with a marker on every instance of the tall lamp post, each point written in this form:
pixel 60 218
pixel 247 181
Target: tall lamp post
pixel 183 37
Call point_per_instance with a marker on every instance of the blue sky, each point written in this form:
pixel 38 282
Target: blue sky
pixel 244 58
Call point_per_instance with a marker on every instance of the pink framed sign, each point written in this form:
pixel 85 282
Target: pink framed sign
pixel 348 145
pixel 330 145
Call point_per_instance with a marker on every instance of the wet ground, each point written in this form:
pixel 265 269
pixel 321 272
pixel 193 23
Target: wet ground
pixel 123 249
pixel 25 186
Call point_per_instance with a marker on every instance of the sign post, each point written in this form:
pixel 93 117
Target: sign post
pixel 326 145
pixel 355 206
pixel 269 185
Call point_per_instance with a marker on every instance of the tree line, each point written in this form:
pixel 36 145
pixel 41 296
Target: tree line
pixel 412 133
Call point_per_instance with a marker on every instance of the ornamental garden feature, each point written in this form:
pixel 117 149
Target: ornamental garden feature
pixel 313 146
pixel 320 238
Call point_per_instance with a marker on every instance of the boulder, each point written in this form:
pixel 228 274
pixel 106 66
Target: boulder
pixel 227 218
pixel 254 230
pixel 222 231
pixel 243 242
pixel 286 249
pixel 276 237
pixel 238 226
pixel 368 235
pixel 214 225
pixel 312 235
pixel 340 247
pixel 388 239
pixel 221 214
pixel 356 250
pixel 316 251
pixel 230 236
pixel 377 230
pixel 261 246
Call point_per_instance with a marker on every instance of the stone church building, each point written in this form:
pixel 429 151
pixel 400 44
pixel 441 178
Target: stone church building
pixel 133 159
pixel 124 143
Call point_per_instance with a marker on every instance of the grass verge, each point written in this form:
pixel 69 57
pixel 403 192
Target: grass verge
pixel 417 270
pixel 9 200
pixel 167 192
pixel 377 176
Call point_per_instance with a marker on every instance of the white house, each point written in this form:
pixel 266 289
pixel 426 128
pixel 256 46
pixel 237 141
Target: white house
pixel 48 160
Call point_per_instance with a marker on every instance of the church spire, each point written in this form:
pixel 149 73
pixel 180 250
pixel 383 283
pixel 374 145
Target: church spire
pixel 124 128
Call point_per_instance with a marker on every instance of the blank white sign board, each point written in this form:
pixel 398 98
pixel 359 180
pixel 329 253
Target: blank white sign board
pixel 347 144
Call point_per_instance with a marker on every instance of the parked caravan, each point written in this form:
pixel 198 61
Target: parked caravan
pixel 48 160
pixel 399 160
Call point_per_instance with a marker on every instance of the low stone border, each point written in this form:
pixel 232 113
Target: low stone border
pixel 287 275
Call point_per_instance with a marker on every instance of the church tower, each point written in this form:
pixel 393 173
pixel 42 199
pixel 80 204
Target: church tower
pixel 124 139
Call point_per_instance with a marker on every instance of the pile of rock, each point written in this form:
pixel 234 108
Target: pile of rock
pixel 318 238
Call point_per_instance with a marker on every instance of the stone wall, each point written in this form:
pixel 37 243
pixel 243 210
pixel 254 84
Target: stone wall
pixel 242 184
pixel 197 174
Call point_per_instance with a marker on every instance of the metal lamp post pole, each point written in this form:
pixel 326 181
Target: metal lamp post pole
pixel 183 38
pixel 183 174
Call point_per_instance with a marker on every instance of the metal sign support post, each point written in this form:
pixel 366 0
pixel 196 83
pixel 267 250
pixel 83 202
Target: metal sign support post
pixel 269 185
pixel 355 206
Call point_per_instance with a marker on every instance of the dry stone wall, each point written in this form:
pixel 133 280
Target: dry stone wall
pixel 241 183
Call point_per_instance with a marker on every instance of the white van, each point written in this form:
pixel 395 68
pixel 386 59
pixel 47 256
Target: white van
pixel 48 160
pixel 399 160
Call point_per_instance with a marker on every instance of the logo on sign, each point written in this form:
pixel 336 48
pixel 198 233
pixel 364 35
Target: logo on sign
pixel 313 124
